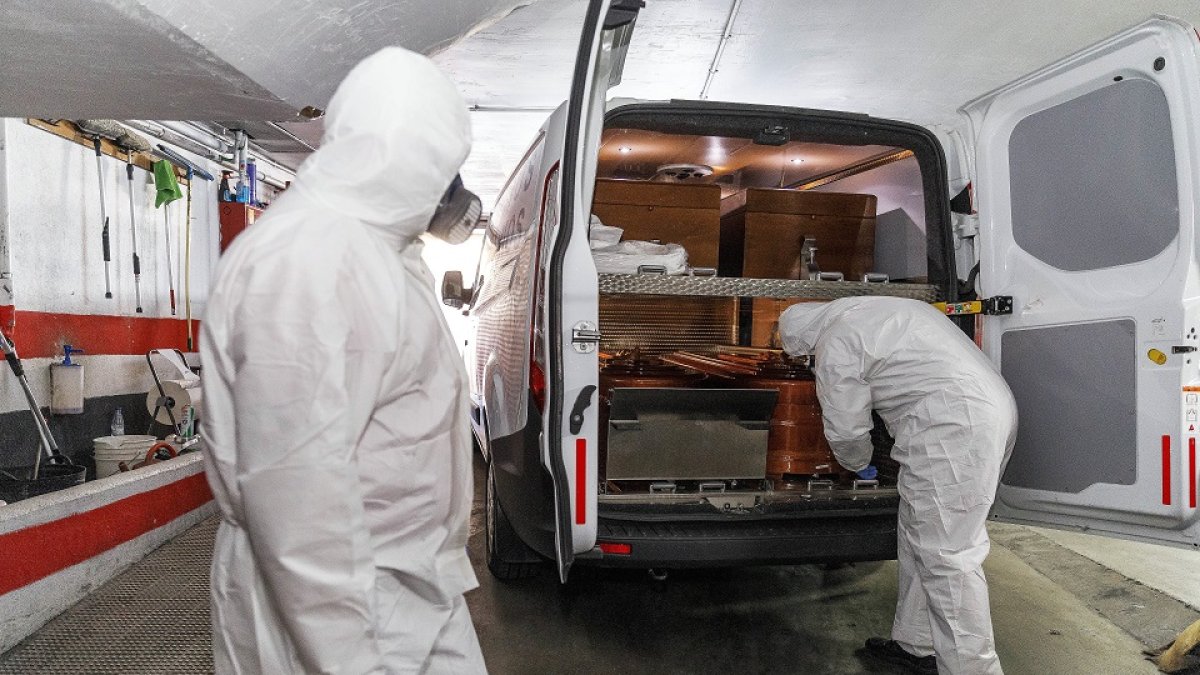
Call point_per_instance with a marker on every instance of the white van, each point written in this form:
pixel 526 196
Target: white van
pixel 1074 220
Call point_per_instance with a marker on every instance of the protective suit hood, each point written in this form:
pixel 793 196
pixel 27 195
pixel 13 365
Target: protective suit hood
pixel 396 133
pixel 802 324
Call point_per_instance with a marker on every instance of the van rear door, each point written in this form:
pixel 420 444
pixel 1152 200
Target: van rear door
pixel 571 309
pixel 1087 176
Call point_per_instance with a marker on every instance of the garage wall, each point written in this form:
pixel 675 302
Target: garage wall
pixel 50 225
pixel 54 223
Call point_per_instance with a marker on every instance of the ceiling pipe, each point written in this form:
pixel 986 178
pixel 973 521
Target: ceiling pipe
pixel 715 66
pixel 290 135
pixel 200 135
pixel 159 131
pixel 241 148
pixel 261 156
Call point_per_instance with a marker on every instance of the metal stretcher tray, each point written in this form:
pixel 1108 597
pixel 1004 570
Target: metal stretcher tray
pixel 659 284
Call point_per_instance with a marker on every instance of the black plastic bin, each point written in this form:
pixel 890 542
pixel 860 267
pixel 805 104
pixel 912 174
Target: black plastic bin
pixel 16 484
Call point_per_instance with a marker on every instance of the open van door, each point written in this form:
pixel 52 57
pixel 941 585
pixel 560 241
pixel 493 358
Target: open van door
pixel 569 441
pixel 1087 176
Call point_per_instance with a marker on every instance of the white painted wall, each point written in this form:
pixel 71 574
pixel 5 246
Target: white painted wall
pixel 50 194
pixel 55 224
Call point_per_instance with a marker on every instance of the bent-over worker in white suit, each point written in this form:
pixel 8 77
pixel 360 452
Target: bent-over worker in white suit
pixel 954 421
pixel 338 446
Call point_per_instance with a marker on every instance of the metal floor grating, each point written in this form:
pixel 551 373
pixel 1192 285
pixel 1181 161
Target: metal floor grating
pixel 153 619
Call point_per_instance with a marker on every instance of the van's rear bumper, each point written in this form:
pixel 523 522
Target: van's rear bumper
pixel 824 538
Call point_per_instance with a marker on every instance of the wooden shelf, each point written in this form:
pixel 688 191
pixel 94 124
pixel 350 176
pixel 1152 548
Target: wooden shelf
pixel 67 129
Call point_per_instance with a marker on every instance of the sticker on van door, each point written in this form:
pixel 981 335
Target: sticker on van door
pixel 1191 410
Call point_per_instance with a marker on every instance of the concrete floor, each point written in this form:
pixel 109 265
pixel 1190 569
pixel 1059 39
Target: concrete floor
pixel 759 620
pixel 771 620
pixel 1174 571
pixel 804 619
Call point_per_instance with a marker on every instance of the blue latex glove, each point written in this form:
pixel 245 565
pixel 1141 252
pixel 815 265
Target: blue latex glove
pixel 868 473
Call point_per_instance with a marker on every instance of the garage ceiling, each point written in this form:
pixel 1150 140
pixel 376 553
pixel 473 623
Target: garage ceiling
pixel 254 61
pixel 238 62
pixel 912 61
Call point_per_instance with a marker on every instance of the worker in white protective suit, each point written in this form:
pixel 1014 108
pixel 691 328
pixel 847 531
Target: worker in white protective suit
pixel 338 449
pixel 954 421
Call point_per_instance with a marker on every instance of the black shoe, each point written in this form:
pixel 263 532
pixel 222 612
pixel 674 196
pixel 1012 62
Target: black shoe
pixel 891 652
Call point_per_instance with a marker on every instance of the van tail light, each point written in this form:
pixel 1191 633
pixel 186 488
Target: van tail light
pixel 613 548
pixel 537 331
pixel 537 384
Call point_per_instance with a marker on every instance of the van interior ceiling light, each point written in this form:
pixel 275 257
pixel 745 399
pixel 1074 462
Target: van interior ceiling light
pixel 625 149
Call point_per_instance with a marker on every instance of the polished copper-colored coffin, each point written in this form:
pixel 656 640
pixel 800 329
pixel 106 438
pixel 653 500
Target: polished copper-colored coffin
pixel 796 445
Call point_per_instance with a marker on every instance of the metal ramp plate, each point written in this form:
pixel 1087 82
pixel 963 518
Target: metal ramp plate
pixel 661 284
pixel 152 618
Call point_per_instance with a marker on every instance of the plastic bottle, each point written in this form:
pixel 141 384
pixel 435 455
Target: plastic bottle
pixel 118 423
pixel 252 182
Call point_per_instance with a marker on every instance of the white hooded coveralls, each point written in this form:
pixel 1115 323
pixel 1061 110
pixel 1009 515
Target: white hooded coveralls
pixel 338 449
pixel 954 421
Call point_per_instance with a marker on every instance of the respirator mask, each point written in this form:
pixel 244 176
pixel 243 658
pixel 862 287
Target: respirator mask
pixel 457 214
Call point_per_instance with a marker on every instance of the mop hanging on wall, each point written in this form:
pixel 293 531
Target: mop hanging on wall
pixel 167 188
pixel 193 172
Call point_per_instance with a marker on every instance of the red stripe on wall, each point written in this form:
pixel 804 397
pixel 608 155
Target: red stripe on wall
pixel 580 481
pixel 1192 472
pixel 1166 470
pixel 40 334
pixel 42 550
pixel 8 317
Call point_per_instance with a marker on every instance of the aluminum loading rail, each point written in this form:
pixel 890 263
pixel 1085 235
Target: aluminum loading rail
pixel 736 287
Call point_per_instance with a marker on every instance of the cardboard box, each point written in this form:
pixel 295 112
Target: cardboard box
pixel 672 213
pixel 776 222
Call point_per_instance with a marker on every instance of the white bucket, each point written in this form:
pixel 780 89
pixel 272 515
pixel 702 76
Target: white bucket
pixel 112 450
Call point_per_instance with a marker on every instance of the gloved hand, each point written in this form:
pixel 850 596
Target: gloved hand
pixel 869 473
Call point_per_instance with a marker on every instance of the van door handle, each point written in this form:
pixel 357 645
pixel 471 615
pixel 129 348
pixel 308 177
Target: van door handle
pixel 582 401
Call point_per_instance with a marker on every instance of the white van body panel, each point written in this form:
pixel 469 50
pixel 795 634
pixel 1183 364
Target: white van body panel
pixel 1086 176
pixel 498 358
